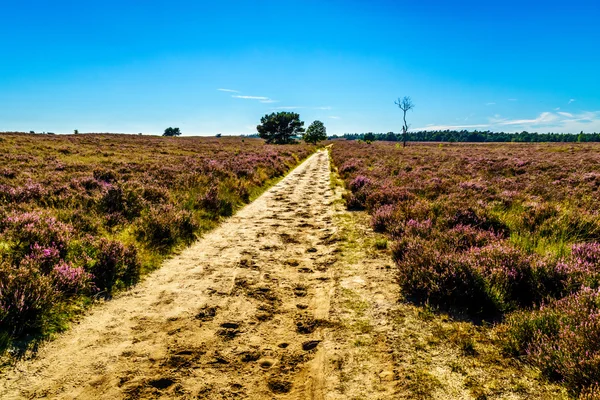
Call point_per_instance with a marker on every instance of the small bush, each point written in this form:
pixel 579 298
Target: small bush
pixel 26 296
pixel 484 282
pixel 463 237
pixel 44 259
pixel 587 254
pixel 123 200
pixel 115 265
pixel 444 280
pixel 162 227
pixel 354 202
pixel 218 203
pixel 478 219
pixel 29 231
pixel 105 175
pixel 85 222
pixel 381 244
pixel 155 194
pixel 359 183
pixel 386 194
pixel 383 219
pixel 562 339
pixel 70 280
pixel 350 166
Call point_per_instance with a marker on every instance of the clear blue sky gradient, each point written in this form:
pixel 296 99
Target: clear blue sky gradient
pixel 141 66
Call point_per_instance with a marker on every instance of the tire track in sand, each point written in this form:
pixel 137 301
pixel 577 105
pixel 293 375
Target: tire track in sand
pixel 240 314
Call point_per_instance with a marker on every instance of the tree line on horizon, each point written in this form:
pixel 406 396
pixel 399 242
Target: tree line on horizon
pixel 472 136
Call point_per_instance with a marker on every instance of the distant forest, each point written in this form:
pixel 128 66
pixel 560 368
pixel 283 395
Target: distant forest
pixel 474 136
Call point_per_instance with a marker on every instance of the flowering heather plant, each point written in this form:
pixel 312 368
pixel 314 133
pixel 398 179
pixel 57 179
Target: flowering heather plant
pixel 42 258
pixel 28 231
pixel 70 280
pixel 427 275
pixel 210 199
pixel 115 265
pixel 124 200
pixel 477 186
pixel 561 338
pixel 26 296
pixel 464 237
pixel 359 182
pixel 360 188
pixel 383 218
pixel 418 228
pixel 386 194
pixel 105 175
pixel 587 254
pixel 582 268
pixel 30 191
pixel 509 273
pixel 349 166
pixel 86 183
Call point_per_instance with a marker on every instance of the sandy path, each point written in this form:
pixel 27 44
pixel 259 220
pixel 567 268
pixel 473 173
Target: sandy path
pixel 243 313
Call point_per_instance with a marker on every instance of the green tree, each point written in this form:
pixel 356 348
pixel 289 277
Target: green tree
pixel 172 132
pixel 315 133
pixel 280 128
pixel 390 137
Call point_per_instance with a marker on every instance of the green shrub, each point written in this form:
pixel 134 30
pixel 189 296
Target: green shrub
pixel 163 226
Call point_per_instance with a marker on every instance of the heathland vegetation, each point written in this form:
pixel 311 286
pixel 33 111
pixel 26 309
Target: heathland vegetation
pixel 83 216
pixel 501 234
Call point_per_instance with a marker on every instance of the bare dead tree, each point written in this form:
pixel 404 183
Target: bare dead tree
pixel 404 104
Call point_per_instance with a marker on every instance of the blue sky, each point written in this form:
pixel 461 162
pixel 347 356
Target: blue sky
pixel 217 67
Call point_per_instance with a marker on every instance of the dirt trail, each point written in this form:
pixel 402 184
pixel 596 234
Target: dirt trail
pixel 243 313
pixel 291 298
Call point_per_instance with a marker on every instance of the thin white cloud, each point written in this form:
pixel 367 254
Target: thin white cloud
pixel 237 96
pixel 262 99
pixel 557 108
pixel 588 121
pixel 490 104
pixel 571 101
pixel 334 117
pixel 323 108
pixel 513 99
pixel 543 118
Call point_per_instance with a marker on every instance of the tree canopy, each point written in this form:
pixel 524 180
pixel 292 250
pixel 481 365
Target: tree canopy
pixel 475 136
pixel 280 128
pixel 172 132
pixel 316 132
